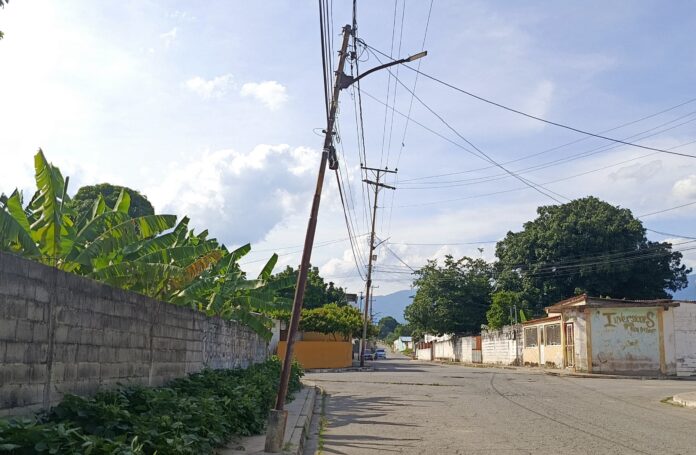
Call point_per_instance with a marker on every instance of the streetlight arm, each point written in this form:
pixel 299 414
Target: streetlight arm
pixel 345 81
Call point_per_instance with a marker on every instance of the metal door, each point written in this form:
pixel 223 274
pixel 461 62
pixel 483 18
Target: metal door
pixel 542 340
pixel 569 344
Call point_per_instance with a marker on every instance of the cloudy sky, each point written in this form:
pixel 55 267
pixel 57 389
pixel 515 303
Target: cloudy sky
pixel 215 109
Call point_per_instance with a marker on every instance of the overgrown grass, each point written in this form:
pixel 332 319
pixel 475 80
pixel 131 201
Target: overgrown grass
pixel 191 415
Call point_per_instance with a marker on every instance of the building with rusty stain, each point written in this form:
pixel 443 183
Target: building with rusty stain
pixel 615 336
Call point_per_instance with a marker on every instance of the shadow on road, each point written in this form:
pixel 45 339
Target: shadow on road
pixel 355 423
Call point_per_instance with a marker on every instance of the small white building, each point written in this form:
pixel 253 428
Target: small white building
pixel 403 343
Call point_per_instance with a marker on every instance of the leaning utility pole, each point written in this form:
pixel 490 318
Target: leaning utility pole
pixel 368 286
pixel 278 417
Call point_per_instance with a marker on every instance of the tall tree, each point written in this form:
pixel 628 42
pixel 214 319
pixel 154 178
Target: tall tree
pixel 317 293
pixel 452 298
pixel 386 325
pixel 586 246
pixel 506 308
pixel 83 202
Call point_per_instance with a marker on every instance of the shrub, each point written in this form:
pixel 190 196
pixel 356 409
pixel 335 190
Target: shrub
pixel 191 415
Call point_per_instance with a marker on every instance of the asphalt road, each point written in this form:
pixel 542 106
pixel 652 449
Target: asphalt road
pixel 412 407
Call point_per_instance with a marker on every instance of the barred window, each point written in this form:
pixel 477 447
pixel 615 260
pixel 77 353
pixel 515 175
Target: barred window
pixel 553 334
pixel 530 337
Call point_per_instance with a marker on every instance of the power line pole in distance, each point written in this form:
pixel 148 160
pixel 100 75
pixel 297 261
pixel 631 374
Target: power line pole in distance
pixel 368 285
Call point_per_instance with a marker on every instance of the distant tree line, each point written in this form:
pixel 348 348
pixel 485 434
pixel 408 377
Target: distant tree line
pixel 584 246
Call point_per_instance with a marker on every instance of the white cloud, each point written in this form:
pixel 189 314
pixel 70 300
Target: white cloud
pixel 638 171
pixel 213 88
pixel 272 94
pixel 239 197
pixel 540 99
pixel 169 37
pixel 685 188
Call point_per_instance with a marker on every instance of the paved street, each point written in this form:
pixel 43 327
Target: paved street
pixel 413 407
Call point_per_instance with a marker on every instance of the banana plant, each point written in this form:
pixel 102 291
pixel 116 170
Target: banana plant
pixel 225 291
pixel 151 254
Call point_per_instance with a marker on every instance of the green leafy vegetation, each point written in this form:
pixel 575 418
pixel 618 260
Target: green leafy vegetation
pixel 83 201
pixel 150 254
pixel 401 330
pixel 452 298
pixel 386 326
pixel 191 415
pixel 586 246
pixel 504 306
pixel 317 292
pixel 332 319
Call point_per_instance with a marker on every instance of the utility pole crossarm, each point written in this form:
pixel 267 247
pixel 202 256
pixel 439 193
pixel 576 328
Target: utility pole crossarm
pixel 389 171
pixel 379 184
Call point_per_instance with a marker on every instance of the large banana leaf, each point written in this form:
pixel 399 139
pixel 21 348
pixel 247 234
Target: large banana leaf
pixel 146 278
pixel 15 234
pixel 123 234
pixel 268 268
pixel 171 239
pixel 52 228
pixel 123 202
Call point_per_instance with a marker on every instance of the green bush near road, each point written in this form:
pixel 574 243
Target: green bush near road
pixel 191 415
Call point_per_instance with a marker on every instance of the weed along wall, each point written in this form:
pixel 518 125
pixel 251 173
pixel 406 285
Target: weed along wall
pixel 61 333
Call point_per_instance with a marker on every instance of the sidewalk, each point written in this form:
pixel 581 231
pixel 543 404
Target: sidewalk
pixel 300 412
pixel 687 399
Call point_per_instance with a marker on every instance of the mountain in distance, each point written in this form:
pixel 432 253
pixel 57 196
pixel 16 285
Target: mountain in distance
pixel 392 304
pixel 689 293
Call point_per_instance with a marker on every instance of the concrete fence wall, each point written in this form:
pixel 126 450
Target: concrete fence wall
pixel 61 333
pixel 502 347
pixel 445 350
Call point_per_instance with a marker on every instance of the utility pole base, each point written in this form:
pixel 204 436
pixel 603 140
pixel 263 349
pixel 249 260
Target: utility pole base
pixel 275 431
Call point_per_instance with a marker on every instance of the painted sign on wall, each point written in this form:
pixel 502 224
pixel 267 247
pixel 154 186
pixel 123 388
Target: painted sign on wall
pixel 625 340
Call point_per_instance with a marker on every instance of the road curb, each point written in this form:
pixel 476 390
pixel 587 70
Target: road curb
pixel 688 399
pixel 340 370
pixel 298 436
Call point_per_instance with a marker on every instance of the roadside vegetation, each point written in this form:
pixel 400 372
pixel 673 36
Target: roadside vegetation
pixel 125 244
pixel 192 415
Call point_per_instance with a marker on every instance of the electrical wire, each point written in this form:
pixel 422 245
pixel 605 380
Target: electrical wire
pixel 562 179
pixel 410 107
pixel 507 108
pixel 547 164
pixel 481 154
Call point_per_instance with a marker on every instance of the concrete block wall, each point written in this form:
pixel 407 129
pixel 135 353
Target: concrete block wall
pixel 445 350
pixel 465 346
pixel 61 333
pixel 685 338
pixel 502 346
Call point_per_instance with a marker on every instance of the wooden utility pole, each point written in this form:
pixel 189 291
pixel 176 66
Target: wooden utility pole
pixel 368 285
pixel 278 417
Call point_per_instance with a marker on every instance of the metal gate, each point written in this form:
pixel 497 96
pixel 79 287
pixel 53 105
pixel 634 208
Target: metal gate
pixel 569 345
pixel 476 356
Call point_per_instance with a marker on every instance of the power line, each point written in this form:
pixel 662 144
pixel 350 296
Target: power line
pixel 545 165
pixel 398 258
pixel 669 234
pixel 485 156
pixel 666 210
pixel 507 108
pixel 410 107
pixel 345 214
pixel 476 196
